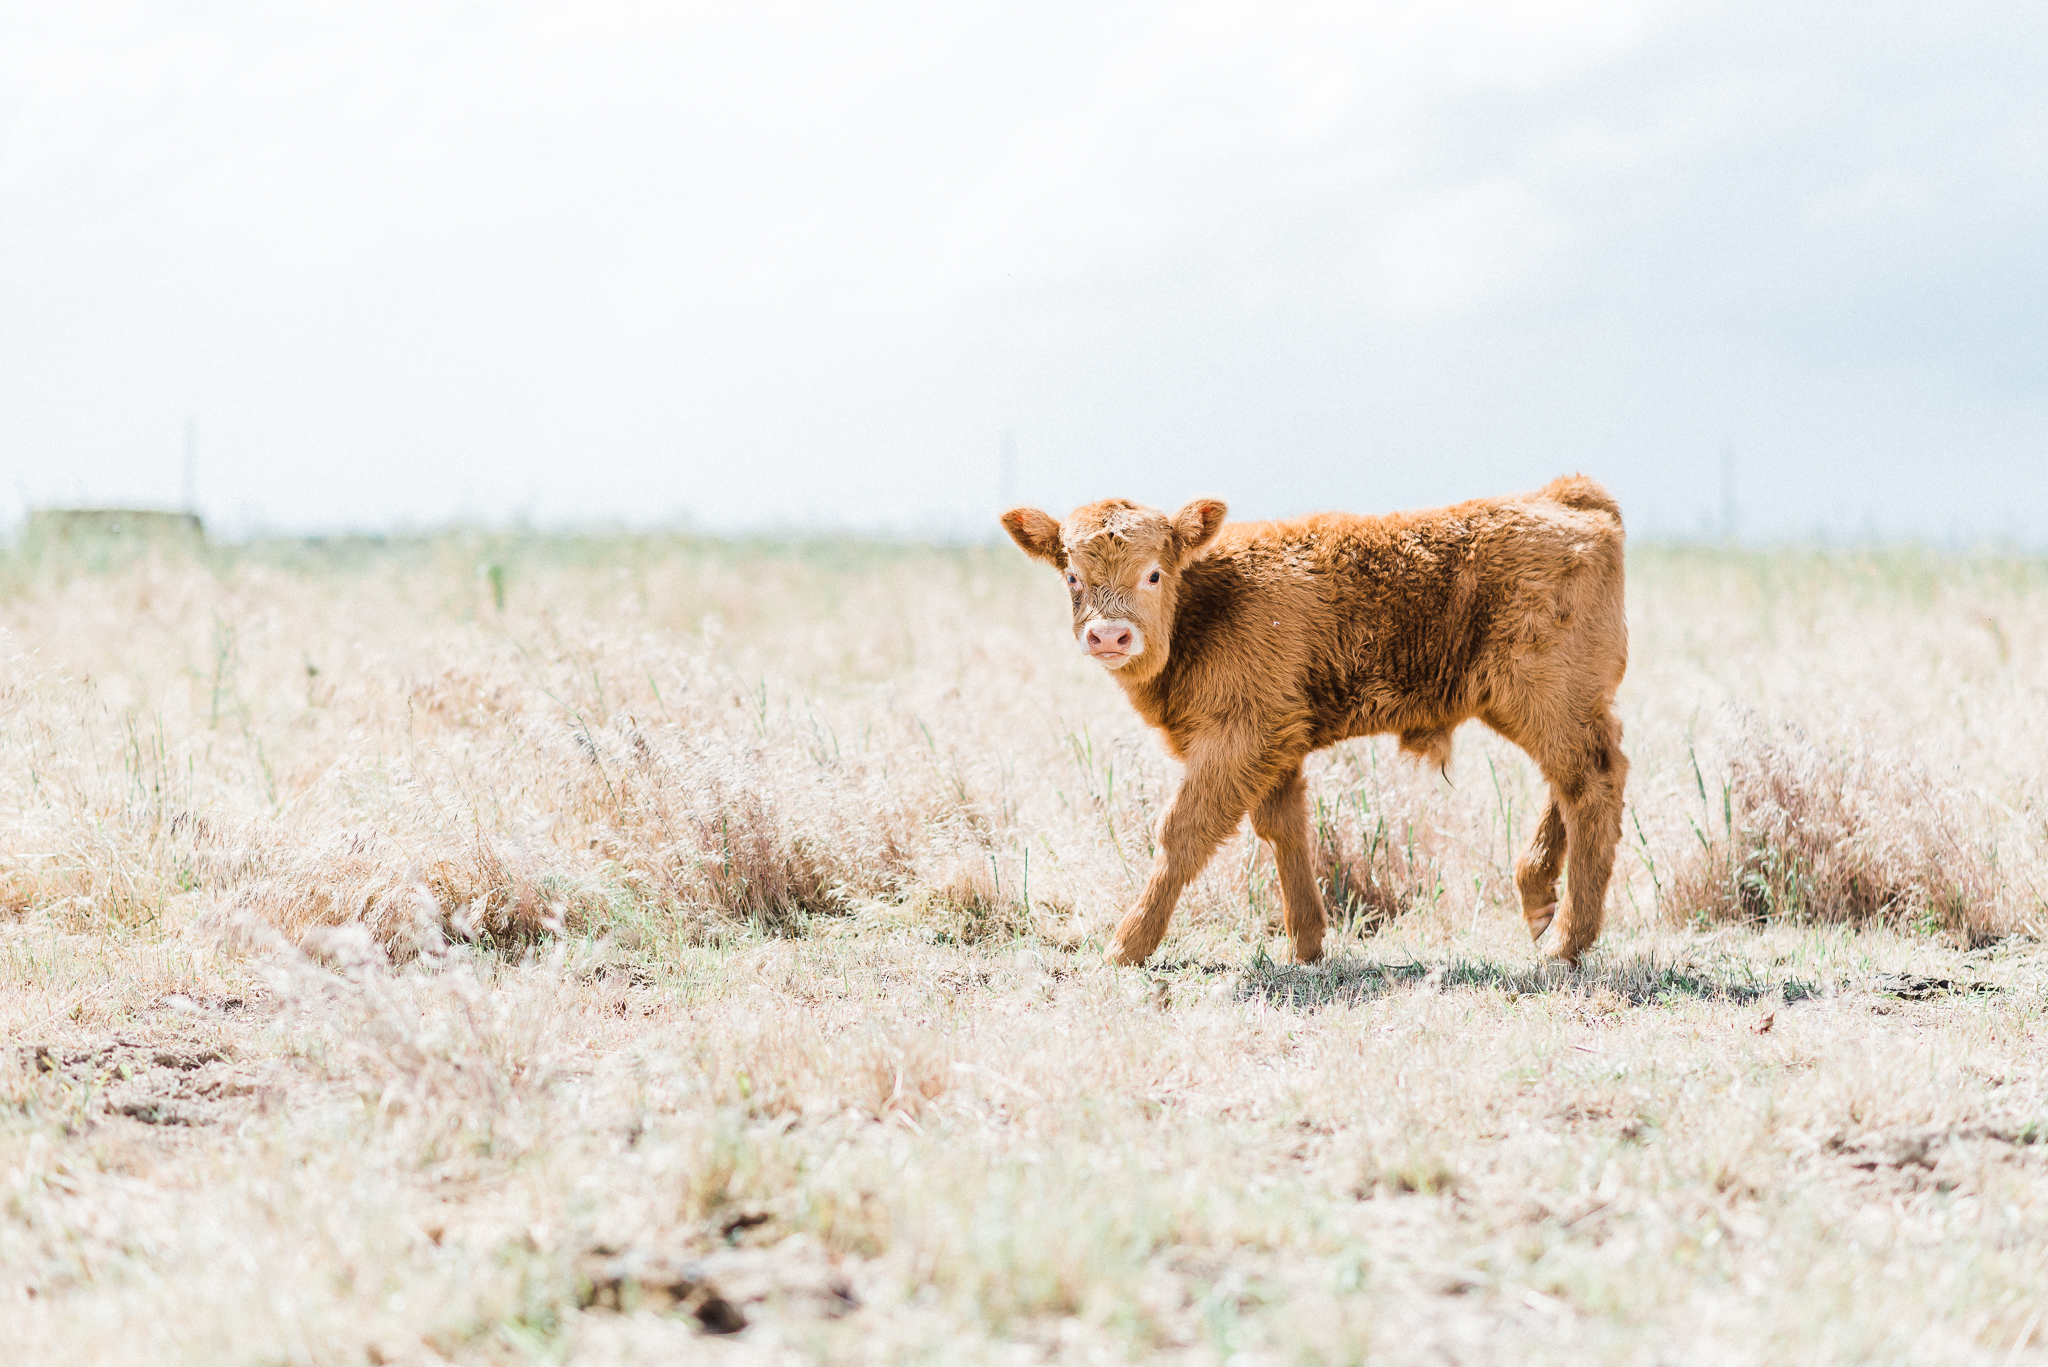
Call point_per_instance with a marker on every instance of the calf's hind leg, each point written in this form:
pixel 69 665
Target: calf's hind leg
pixel 1592 789
pixel 1281 820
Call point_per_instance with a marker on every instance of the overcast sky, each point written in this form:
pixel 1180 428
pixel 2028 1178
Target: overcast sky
pixel 771 263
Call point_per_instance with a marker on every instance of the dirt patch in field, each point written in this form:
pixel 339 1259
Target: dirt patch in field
pixel 725 1290
pixel 168 1083
pixel 1940 1158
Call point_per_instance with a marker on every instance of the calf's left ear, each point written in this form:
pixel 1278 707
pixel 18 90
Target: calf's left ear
pixel 1038 534
pixel 1195 524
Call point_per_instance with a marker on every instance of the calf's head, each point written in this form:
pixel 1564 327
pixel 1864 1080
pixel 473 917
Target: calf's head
pixel 1122 563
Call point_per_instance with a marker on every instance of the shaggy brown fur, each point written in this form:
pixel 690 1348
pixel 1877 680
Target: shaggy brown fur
pixel 1252 644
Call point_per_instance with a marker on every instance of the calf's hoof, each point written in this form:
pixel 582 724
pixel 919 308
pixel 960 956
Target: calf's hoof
pixel 1308 954
pixel 1121 957
pixel 1539 920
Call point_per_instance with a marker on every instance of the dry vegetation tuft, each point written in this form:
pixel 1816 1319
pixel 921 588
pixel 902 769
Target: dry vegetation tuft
pixel 1851 832
pixel 504 949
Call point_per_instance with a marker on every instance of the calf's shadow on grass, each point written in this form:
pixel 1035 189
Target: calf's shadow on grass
pixel 1639 979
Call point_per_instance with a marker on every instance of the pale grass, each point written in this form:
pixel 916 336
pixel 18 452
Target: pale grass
pixel 785 872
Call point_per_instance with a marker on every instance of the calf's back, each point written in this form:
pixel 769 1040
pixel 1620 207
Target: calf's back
pixel 1336 625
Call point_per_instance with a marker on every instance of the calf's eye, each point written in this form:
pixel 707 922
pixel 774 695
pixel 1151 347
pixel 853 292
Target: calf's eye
pixel 1152 578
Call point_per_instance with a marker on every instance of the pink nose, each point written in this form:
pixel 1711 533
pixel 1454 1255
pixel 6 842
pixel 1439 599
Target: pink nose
pixel 1114 640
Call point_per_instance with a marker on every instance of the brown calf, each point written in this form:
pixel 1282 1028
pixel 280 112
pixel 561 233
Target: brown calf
pixel 1252 644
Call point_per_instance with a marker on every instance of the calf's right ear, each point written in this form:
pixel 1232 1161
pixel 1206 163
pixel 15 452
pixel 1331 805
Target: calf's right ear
pixel 1038 534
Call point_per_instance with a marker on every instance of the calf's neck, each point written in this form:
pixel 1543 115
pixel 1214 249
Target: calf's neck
pixel 1251 644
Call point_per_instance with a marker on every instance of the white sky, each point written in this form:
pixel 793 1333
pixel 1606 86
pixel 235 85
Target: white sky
pixel 773 263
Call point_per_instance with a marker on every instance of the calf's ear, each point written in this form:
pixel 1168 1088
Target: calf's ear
pixel 1038 534
pixel 1195 524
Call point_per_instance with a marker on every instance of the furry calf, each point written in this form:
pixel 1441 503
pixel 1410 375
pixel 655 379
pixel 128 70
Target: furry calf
pixel 1251 644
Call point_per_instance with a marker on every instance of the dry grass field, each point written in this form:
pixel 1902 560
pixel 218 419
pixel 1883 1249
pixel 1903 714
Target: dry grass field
pixel 504 949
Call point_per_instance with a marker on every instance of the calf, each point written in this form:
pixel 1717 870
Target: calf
pixel 1248 645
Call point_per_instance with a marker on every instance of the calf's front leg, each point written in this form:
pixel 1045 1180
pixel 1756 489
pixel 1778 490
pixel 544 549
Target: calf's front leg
pixel 1220 781
pixel 1536 871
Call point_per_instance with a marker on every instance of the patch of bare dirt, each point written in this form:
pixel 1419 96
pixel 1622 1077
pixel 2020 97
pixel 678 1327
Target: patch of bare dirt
pixel 724 1290
pixel 1941 1157
pixel 161 1083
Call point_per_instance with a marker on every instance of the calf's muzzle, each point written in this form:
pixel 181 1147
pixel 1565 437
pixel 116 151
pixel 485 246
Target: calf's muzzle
pixel 1112 640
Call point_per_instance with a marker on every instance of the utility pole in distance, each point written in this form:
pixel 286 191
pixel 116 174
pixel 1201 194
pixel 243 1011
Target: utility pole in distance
pixel 1728 495
pixel 192 464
